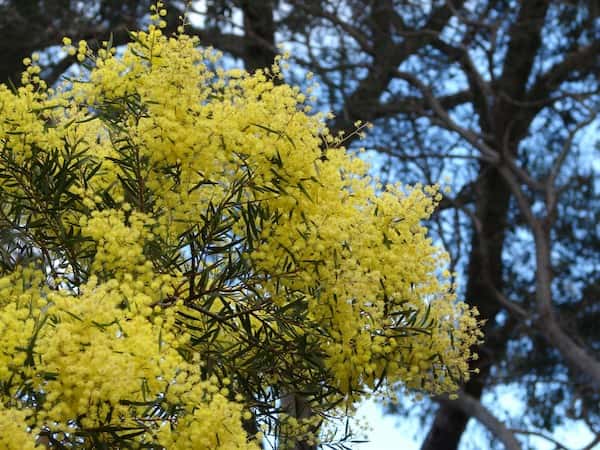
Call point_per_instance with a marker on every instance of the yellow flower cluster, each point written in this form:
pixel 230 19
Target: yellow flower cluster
pixel 119 245
pixel 24 123
pixel 13 430
pixel 219 235
pixel 98 358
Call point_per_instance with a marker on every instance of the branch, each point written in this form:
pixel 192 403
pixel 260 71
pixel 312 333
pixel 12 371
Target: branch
pixel 509 160
pixel 592 445
pixel 488 153
pixel 421 155
pixel 584 60
pixel 408 105
pixel 558 445
pixel 524 43
pixel 555 170
pixel 514 308
pixel 472 407
pixel 477 85
pixel 376 82
pixel 352 31
pixel 576 357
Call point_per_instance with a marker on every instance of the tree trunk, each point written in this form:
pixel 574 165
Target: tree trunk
pixel 485 267
pixel 295 405
pixel 259 34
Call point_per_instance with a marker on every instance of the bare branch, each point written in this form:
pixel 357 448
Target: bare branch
pixel 592 445
pixel 473 407
pixel 539 434
pixel 488 153
pixel 584 59
pixel 478 86
pixel 576 357
pixel 352 31
pixel 555 170
pixel 512 307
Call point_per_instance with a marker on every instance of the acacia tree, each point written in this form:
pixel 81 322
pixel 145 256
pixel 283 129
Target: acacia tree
pixel 500 95
pixel 183 249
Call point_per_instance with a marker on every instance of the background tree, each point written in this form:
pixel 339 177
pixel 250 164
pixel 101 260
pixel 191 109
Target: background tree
pixel 502 97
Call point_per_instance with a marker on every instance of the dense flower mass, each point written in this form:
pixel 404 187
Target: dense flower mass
pixel 189 247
